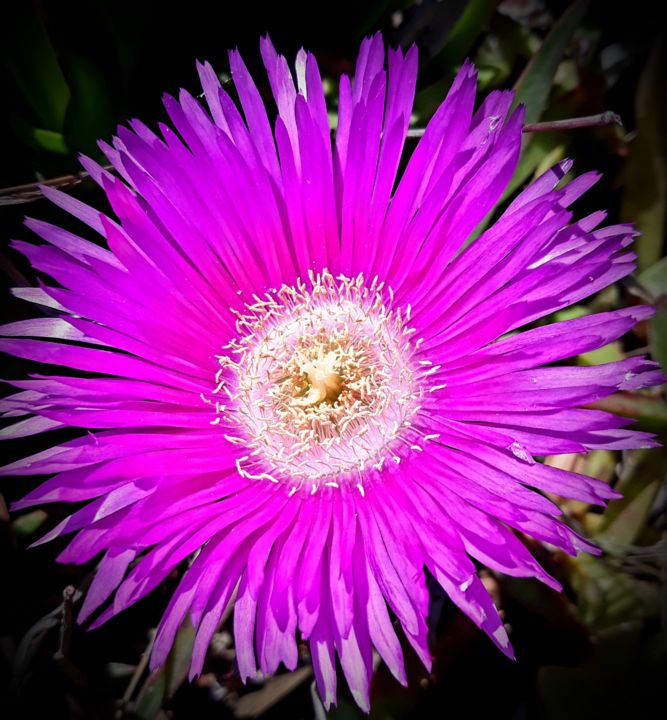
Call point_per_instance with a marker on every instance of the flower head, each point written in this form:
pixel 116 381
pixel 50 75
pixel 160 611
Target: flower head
pixel 297 375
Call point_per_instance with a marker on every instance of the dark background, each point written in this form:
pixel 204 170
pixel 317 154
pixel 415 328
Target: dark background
pixel 72 71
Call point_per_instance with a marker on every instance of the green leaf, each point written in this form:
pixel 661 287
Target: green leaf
pixel 534 85
pixel 38 138
pixel 502 47
pixel 654 278
pixel 641 477
pixel 645 176
pixel 51 141
pixel 608 596
pixel 473 21
pixel 39 642
pixel 90 113
pixel 275 689
pixel 606 354
pixel 470 24
pixel 550 158
pixel 658 335
pixel 600 464
pixel 343 710
pixel 163 682
pixel 28 524
pixel 571 313
pixel 31 61
pixel 532 89
pixel 649 410
pixel 371 14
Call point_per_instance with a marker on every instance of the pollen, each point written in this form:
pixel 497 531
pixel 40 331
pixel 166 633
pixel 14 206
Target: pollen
pixel 322 381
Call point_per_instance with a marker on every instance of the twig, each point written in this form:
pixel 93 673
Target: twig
pixel 30 192
pixel 138 672
pixel 61 656
pixel 66 622
pixel 605 118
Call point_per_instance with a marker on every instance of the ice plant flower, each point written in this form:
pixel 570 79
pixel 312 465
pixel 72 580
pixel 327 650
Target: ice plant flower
pixel 291 373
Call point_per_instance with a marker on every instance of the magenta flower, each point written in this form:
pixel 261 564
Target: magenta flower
pixel 294 375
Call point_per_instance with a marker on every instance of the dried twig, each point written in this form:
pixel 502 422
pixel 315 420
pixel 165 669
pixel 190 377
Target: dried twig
pixel 61 656
pixel 66 622
pixel 605 118
pixel 30 192
pixel 136 676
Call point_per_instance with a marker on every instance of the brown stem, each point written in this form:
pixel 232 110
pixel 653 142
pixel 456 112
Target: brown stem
pixel 30 192
pixel 66 621
pixel 605 118
pixel 138 672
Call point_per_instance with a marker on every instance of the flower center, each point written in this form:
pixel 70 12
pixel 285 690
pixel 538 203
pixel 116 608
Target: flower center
pixel 322 381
